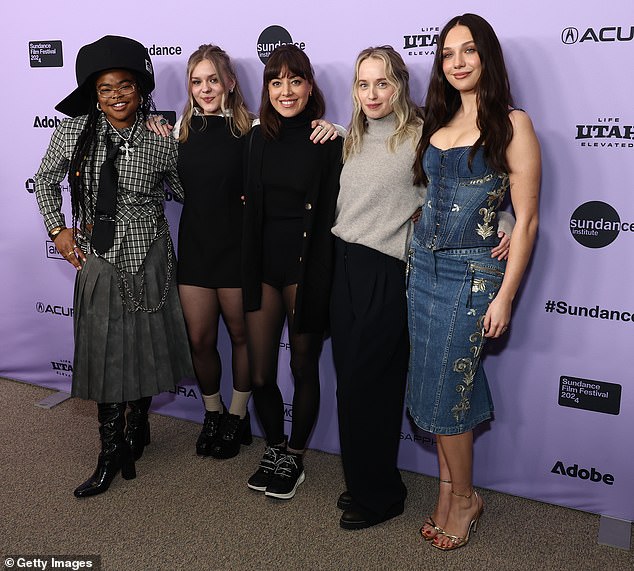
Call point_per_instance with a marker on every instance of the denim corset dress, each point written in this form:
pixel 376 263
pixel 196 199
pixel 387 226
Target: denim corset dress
pixel 451 281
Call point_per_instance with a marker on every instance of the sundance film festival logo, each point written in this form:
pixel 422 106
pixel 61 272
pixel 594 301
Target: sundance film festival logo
pixel 596 224
pixel 605 133
pixel 422 43
pixel 274 37
pixel 572 35
pixel 46 53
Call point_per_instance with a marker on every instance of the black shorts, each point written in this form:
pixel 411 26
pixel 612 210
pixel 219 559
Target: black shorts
pixel 282 248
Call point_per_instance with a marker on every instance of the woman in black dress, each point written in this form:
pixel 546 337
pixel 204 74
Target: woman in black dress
pixel 291 193
pixel 211 135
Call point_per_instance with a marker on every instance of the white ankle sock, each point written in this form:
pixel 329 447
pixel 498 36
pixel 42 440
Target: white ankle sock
pixel 213 403
pixel 239 401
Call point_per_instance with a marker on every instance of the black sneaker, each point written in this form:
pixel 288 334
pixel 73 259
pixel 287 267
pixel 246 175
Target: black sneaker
pixel 209 433
pixel 272 456
pixel 289 474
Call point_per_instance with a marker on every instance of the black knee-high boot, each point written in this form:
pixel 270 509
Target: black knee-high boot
pixel 137 432
pixel 115 452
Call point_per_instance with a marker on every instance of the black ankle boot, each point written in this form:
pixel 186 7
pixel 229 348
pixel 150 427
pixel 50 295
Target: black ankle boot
pixel 137 432
pixel 234 431
pixel 115 452
pixel 209 433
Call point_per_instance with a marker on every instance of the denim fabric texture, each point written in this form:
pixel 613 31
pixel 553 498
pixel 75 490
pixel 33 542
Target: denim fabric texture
pixel 451 281
pixel 462 202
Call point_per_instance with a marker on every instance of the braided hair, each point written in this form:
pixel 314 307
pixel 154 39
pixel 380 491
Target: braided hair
pixel 82 191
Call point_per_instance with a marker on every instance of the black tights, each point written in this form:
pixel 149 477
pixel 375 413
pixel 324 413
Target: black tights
pixel 264 331
pixel 202 308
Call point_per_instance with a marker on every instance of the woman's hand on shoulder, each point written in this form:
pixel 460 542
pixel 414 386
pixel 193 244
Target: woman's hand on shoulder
pixel 325 131
pixel 159 125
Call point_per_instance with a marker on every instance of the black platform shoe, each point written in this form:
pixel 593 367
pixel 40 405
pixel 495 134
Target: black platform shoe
pixel 234 431
pixel 115 451
pixel 137 431
pixel 209 433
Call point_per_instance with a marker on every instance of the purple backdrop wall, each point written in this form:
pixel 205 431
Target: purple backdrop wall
pixel 561 382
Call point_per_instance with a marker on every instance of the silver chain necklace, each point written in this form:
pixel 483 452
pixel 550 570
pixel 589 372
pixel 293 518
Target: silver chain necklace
pixel 126 148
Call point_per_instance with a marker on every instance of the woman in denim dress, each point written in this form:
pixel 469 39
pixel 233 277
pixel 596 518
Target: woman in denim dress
pixel 474 149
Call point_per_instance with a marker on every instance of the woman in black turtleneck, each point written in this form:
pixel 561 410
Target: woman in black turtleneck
pixel 290 198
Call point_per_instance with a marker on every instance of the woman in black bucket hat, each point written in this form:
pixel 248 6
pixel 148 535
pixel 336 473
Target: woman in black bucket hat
pixel 130 338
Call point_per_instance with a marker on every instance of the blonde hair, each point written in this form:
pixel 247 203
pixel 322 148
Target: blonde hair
pixel 232 105
pixel 408 115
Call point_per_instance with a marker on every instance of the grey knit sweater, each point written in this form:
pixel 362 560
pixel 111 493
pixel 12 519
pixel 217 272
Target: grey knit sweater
pixel 376 196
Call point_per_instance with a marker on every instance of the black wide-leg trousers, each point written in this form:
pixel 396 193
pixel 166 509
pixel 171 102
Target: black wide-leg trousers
pixel 371 350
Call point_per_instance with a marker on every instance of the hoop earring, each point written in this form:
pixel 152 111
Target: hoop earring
pixel 99 107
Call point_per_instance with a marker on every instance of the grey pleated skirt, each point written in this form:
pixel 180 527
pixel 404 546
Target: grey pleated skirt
pixel 123 355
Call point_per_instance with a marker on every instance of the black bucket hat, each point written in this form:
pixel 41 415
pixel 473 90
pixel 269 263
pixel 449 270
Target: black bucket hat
pixel 109 52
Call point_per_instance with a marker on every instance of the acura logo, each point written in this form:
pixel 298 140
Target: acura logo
pixel 570 35
pixel 40 307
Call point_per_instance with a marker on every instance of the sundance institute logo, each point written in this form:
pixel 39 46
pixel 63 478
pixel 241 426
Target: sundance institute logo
pixel 596 224
pixel 274 37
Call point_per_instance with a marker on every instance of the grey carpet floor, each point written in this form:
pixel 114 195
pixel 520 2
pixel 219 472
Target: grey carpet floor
pixel 187 513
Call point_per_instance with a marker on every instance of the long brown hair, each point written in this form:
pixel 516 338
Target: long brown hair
pixel 293 61
pixel 493 98
pixel 233 106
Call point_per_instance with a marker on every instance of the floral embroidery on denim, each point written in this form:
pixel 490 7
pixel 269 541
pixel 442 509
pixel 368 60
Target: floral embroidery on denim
pixel 478 284
pixel 468 366
pixel 494 201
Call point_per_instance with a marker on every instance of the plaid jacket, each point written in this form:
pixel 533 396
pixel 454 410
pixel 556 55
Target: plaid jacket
pixel 140 194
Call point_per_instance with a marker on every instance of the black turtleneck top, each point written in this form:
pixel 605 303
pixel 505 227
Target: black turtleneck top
pixel 292 178
pixel 289 164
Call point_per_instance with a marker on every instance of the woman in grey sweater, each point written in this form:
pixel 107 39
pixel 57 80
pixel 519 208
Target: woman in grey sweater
pixel 373 226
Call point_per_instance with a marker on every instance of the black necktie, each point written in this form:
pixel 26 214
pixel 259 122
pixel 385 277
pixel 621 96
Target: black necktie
pixel 106 207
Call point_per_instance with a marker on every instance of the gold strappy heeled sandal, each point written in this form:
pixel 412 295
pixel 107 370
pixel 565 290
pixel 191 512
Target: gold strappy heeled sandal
pixel 457 541
pixel 431 523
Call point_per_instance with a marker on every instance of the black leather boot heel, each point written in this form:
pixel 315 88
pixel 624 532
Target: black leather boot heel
pixel 115 453
pixel 138 426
